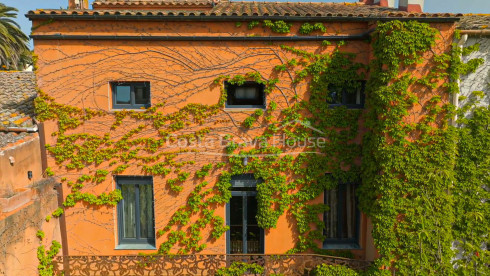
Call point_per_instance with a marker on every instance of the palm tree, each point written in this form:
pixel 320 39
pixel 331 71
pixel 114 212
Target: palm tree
pixel 13 42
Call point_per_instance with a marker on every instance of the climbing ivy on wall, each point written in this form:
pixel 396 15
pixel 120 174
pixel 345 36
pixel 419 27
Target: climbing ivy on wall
pixel 410 170
pixel 278 26
pixel 308 28
pixel 289 182
pixel 46 257
pixel 408 167
pixel 471 190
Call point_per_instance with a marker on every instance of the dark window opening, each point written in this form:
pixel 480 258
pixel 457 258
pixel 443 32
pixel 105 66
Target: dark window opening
pixel 130 95
pixel 136 223
pixel 351 96
pixel 248 95
pixel 342 220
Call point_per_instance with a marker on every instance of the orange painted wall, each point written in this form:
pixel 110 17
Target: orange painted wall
pixel 78 73
pixel 26 155
pixel 24 205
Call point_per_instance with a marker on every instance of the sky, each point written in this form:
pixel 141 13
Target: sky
pixel 451 6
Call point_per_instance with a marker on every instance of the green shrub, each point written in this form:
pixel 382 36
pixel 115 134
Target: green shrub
pixel 240 268
pixel 333 270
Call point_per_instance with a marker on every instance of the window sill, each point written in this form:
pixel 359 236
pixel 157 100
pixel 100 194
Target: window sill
pixel 243 109
pixel 341 246
pixel 135 246
pixel 359 107
pixel 113 110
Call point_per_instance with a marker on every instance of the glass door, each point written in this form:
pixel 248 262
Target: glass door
pixel 244 236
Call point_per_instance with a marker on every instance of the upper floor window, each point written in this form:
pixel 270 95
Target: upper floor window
pixel 342 220
pixel 351 96
pixel 248 95
pixel 130 95
pixel 135 213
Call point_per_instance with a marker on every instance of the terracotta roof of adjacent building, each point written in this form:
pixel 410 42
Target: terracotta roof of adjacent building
pixel 17 94
pixel 252 9
pixel 475 22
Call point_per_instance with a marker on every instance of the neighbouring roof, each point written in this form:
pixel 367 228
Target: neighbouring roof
pixel 224 9
pixel 475 22
pixel 17 94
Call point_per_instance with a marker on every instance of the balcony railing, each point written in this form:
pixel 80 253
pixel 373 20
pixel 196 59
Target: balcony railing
pixel 176 265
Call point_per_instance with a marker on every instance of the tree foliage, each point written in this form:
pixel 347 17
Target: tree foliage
pixel 14 51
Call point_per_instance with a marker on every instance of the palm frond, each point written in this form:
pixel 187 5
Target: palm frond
pixel 13 42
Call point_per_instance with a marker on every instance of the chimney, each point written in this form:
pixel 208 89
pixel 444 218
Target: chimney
pixel 385 3
pixel 411 5
pixel 78 4
pixel 381 3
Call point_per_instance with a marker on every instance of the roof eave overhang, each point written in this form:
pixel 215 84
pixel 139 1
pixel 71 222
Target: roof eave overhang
pixel 476 32
pixel 362 36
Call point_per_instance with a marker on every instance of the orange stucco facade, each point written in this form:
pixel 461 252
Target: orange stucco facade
pixel 79 73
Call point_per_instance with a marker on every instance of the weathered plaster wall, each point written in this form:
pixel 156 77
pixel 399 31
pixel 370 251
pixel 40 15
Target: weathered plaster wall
pixel 24 202
pixel 79 72
pixel 26 156
pixel 480 79
pixel 18 241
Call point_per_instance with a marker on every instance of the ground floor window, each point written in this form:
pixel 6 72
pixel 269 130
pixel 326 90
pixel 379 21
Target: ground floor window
pixel 136 224
pixel 342 220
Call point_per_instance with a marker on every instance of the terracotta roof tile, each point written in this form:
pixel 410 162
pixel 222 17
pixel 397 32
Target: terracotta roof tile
pixel 474 22
pixel 152 2
pixel 251 9
pixel 17 94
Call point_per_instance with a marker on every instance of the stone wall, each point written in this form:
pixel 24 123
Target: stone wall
pixel 479 80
